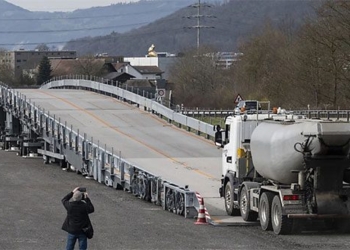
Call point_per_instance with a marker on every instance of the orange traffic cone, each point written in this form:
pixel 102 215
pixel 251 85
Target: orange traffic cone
pixel 201 219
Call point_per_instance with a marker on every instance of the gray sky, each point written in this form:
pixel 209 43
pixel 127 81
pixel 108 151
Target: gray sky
pixel 63 5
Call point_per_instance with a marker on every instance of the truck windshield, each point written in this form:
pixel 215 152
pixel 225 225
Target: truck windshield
pixel 251 105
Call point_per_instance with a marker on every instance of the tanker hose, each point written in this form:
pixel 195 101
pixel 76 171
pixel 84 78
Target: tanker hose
pixel 304 147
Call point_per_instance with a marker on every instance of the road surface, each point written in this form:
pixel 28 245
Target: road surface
pixel 31 216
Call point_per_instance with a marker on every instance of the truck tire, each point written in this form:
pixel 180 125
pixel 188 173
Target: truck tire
pixel 265 210
pixel 244 206
pixel 229 200
pixel 281 224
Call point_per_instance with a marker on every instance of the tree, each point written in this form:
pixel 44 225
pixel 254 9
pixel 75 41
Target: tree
pixel 323 52
pixel 298 68
pixel 89 66
pixel 44 73
pixel 7 75
pixel 6 71
pixel 335 18
pixel 199 83
pixel 262 73
pixel 25 80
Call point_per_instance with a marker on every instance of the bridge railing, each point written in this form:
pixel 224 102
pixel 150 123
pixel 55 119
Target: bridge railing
pixel 200 127
pixel 148 92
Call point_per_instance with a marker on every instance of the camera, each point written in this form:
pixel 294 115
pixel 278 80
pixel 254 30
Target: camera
pixel 82 189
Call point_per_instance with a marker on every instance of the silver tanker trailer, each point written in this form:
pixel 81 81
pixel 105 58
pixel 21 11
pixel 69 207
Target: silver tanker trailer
pixel 284 168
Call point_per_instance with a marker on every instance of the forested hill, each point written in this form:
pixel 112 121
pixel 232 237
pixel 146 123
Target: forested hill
pixel 21 28
pixel 226 25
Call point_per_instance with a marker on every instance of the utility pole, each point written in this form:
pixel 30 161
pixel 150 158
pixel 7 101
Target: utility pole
pixel 199 16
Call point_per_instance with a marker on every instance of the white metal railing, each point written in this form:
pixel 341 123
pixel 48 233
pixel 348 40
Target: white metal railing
pixel 148 104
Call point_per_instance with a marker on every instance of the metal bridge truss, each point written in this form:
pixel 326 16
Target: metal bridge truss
pixel 32 132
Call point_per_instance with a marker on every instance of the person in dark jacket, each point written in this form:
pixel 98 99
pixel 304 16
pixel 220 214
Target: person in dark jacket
pixel 78 206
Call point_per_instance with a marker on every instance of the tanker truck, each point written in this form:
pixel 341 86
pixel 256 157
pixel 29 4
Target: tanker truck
pixel 285 169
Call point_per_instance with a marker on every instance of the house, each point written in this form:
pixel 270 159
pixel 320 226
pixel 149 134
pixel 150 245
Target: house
pixel 148 72
pixel 164 61
pixel 117 78
pixel 138 72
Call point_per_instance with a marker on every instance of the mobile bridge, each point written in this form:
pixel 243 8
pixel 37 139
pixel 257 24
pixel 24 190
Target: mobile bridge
pixel 116 137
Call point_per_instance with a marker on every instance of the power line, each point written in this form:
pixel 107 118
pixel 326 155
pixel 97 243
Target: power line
pixel 74 30
pixel 79 17
pixel 199 16
pixel 92 17
pixel 70 30
pixel 64 10
pixel 95 39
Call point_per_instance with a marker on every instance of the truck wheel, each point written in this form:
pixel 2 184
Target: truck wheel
pixel 244 205
pixel 281 224
pixel 229 198
pixel 265 210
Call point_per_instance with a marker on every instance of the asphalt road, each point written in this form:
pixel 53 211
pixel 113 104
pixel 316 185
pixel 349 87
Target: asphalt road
pixel 31 215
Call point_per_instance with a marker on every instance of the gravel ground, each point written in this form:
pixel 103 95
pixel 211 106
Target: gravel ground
pixel 31 215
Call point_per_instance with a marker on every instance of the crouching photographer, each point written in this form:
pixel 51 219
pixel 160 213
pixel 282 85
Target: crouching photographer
pixel 77 223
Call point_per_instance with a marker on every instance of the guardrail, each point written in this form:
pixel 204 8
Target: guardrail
pixel 312 114
pixel 70 149
pixel 148 92
pixel 141 100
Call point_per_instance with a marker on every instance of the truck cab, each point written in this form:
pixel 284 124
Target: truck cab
pixel 237 165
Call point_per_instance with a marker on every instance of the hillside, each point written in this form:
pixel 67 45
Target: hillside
pixel 234 21
pixel 20 28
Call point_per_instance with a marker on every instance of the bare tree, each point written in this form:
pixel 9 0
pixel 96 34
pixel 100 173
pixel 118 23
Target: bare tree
pixel 89 66
pixel 262 72
pixel 307 71
pixel 7 75
pixel 198 82
pixel 337 16
pixel 326 49
pixel 312 68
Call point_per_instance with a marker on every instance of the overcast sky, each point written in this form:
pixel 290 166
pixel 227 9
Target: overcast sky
pixel 63 5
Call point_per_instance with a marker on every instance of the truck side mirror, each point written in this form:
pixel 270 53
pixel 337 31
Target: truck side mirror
pixel 218 136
